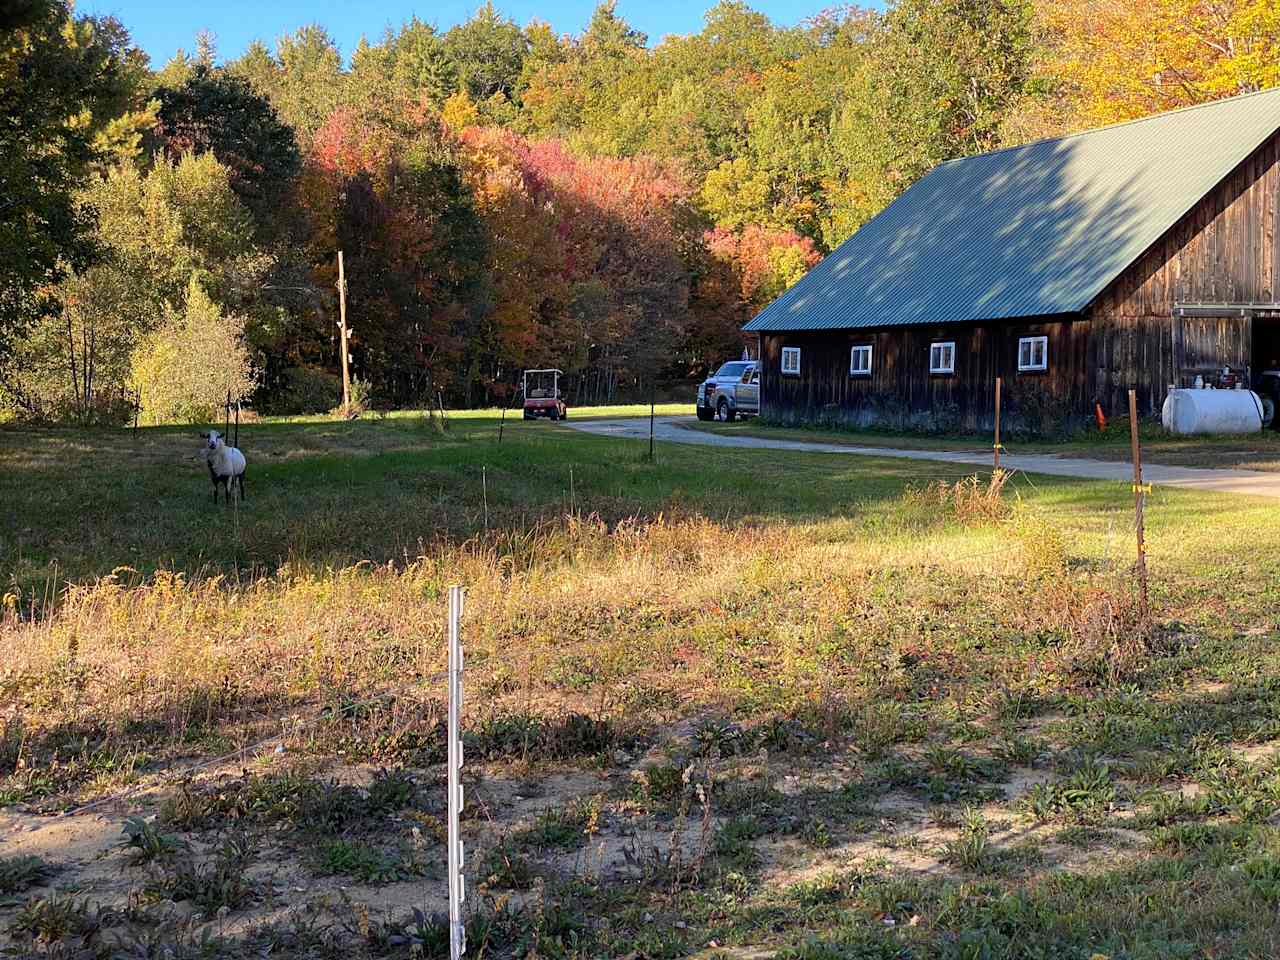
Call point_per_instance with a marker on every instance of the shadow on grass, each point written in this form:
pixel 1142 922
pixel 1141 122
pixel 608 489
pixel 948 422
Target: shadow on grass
pixel 76 505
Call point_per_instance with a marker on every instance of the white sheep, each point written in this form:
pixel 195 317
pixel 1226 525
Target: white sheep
pixel 226 465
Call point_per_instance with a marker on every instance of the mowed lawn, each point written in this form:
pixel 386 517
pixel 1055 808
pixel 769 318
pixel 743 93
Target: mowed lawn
pixel 728 703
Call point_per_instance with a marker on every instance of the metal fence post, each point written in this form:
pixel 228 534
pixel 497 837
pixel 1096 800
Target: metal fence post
pixel 1139 496
pixel 997 448
pixel 457 891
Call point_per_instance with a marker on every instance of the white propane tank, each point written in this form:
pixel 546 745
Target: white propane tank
pixel 1212 411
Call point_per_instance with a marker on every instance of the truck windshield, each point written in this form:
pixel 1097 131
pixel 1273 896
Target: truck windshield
pixel 731 370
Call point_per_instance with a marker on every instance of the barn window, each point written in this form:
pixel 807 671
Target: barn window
pixel 942 357
pixel 1033 353
pixel 791 361
pixel 860 360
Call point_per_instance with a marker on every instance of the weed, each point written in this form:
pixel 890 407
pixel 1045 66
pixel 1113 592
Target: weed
pixel 1184 837
pixel 21 873
pixel 524 735
pixel 504 867
pixel 330 807
pixel 211 886
pixel 969 500
pixel 564 828
pixel 144 843
pixel 820 891
pixel 732 844
pixel 662 785
pixel 389 792
pixel 1084 795
pixel 1262 876
pixel 816 833
pixel 972 849
pixel 876 727
pixel 367 863
pixel 53 919
pixel 1044 551
pixel 13 737
pixel 717 738
pixel 425 935
pixel 1019 751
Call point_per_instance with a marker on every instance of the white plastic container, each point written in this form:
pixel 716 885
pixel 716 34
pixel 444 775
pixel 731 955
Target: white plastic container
pixel 1212 411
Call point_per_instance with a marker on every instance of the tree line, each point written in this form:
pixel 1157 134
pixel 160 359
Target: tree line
pixel 505 196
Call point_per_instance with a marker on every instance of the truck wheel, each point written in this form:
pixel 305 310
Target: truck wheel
pixel 705 413
pixel 724 412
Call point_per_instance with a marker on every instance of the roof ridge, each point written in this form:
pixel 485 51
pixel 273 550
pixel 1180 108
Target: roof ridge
pixel 1119 123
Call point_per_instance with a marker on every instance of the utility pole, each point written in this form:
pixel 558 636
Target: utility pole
pixel 344 337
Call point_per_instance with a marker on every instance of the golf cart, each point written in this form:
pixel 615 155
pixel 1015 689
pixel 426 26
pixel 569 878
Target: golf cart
pixel 542 395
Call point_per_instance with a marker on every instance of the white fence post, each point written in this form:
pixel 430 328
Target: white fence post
pixel 457 892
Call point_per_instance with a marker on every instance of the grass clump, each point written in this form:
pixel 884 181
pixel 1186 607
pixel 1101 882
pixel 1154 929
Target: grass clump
pixel 505 867
pixel 972 849
pixel 21 873
pixel 365 862
pixel 1084 796
pixel 564 828
pixel 970 500
pixel 53 919
pixel 218 884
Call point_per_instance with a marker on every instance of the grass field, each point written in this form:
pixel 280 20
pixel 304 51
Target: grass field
pixel 1259 451
pixel 733 703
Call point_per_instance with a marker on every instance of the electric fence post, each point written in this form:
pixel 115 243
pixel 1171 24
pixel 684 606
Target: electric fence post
pixel 457 890
pixel 1140 491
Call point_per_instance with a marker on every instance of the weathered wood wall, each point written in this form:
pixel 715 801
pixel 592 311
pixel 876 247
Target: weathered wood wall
pixel 901 393
pixel 1224 250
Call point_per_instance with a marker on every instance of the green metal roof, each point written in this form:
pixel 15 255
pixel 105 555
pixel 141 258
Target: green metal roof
pixel 1026 231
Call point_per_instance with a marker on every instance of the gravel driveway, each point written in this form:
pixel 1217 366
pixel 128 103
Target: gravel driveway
pixel 674 430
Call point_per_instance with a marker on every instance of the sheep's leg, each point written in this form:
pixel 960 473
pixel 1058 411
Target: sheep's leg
pixel 240 480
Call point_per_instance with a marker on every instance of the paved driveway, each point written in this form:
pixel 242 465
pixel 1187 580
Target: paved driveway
pixel 671 429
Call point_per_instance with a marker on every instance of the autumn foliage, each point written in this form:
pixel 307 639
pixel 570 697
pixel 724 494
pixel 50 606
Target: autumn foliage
pixel 508 197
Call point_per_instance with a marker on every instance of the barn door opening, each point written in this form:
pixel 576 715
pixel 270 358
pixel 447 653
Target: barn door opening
pixel 1266 345
pixel 1265 372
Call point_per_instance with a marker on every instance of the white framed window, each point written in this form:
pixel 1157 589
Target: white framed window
pixel 942 357
pixel 1033 353
pixel 860 360
pixel 791 361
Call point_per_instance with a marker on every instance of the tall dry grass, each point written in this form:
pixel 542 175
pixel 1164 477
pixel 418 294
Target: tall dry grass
pixel 655 616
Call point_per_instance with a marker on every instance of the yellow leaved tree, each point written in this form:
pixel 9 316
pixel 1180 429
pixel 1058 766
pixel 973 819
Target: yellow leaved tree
pixel 1122 59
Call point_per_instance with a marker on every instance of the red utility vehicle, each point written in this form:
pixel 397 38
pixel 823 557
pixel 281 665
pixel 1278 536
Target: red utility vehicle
pixel 542 395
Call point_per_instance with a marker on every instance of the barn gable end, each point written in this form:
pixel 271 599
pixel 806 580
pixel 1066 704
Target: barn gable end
pixel 1222 252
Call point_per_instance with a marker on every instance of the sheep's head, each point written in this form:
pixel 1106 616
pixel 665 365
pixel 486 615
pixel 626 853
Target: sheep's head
pixel 213 439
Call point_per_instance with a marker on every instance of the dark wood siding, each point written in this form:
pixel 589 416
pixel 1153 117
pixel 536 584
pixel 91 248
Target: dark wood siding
pixel 1223 251
pixel 901 393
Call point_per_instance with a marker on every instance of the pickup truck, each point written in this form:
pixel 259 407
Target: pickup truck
pixel 732 391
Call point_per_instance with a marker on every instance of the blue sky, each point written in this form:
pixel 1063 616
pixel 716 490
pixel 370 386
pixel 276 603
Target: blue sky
pixel 161 26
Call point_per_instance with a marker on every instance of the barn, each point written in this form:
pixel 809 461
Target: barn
pixel 1136 256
